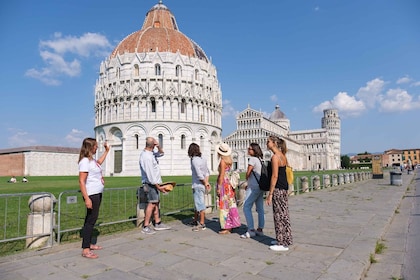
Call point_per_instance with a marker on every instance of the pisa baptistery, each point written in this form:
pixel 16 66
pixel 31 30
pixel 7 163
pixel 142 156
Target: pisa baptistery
pixel 157 82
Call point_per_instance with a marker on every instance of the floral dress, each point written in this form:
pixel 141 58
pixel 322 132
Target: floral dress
pixel 228 211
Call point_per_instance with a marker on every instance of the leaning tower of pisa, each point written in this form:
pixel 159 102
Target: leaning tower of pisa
pixel 332 123
pixel 157 82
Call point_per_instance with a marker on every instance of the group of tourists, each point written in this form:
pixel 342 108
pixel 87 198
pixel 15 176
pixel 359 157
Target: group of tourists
pixel 91 184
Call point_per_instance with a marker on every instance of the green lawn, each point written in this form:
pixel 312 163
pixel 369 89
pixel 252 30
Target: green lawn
pixel 111 208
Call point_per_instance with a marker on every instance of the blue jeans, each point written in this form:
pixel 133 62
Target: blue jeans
pixel 254 195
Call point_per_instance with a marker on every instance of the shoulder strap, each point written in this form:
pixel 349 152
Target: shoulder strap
pixel 258 181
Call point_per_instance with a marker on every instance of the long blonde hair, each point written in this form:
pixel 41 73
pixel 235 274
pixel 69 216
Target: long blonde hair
pixel 227 159
pixel 87 148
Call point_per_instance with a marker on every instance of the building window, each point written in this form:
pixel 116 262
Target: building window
pixel 157 69
pixel 153 103
pixel 196 74
pixel 160 139
pixel 183 106
pixel 136 70
pixel 183 142
pixel 178 70
pixel 137 141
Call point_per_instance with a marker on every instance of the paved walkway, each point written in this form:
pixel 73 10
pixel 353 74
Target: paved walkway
pixel 335 232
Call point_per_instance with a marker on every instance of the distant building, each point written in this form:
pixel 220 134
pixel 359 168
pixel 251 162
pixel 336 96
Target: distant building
pixel 39 161
pixel 392 157
pixel 411 155
pixel 315 149
pixel 396 157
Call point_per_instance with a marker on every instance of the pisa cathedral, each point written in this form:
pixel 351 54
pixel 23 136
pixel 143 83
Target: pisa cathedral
pixel 158 82
pixel 315 149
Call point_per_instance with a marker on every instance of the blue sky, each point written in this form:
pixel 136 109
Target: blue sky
pixel 361 57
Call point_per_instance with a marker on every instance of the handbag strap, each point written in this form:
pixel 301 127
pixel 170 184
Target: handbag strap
pixel 258 181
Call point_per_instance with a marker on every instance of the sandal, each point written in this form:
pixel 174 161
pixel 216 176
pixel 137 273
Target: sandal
pixel 90 255
pixel 95 247
pixel 224 231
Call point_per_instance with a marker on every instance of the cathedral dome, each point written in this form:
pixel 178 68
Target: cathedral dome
pixel 277 114
pixel 159 34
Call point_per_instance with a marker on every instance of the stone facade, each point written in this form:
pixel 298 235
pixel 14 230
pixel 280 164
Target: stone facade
pixel 307 149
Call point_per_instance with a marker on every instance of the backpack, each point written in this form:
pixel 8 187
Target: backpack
pixel 265 178
pixel 234 177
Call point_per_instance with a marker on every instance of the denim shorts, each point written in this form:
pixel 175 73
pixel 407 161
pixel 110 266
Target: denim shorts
pixel 198 194
pixel 152 193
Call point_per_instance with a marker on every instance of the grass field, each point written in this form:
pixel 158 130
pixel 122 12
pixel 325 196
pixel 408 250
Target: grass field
pixel 111 208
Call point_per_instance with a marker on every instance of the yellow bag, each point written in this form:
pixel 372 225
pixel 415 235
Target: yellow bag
pixel 289 175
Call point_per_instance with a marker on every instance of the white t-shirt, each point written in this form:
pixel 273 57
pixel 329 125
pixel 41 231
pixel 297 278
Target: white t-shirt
pixel 94 181
pixel 256 163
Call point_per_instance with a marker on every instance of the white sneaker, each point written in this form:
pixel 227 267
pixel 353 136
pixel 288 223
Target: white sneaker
pixel 248 234
pixel 148 230
pixel 278 248
pixel 162 226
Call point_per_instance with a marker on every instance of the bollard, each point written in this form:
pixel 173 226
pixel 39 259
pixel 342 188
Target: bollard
pixel 316 182
pixel 141 206
pixel 351 177
pixel 340 179
pixel 41 220
pixel 334 180
pixel 346 178
pixel 326 180
pixel 240 193
pixel 304 183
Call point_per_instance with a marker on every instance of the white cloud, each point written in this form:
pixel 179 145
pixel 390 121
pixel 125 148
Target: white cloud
pixel 316 9
pixel 345 104
pixel 404 80
pixel 228 109
pixel 20 138
pixel 75 137
pixel 274 98
pixel 370 94
pixel 398 100
pixel 62 56
pixel 415 84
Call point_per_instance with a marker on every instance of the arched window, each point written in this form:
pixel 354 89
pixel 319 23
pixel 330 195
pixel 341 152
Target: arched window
pixel 196 74
pixel 178 70
pixel 183 106
pixel 157 69
pixel 137 141
pixel 183 141
pixel 153 103
pixel 160 139
pixel 136 70
pixel 202 142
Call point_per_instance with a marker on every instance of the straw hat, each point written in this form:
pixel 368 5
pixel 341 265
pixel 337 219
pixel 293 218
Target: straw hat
pixel 169 186
pixel 223 149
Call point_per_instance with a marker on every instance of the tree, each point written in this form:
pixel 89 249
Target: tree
pixel 345 161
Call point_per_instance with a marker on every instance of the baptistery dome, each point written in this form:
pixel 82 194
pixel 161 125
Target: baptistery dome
pixel 157 82
pixel 159 33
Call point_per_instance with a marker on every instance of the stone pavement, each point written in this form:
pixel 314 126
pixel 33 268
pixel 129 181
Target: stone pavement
pixel 335 233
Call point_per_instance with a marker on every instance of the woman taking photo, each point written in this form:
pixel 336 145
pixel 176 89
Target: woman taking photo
pixel 91 185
